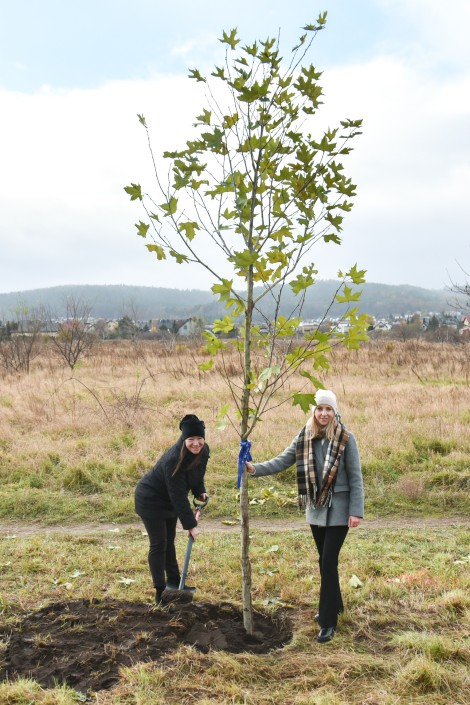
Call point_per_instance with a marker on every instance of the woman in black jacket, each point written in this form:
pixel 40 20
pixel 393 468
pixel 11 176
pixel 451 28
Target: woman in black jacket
pixel 161 498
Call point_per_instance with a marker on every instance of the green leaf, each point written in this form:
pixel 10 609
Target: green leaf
pixel 305 401
pixel 230 39
pixel 180 258
pixel 356 275
pixel 189 229
pixel 205 366
pixel 213 344
pixel 314 380
pixel 134 191
pixel 142 228
pixel 142 120
pixel 237 305
pixel 170 207
pixel 223 290
pixel 300 283
pixel 244 259
pixel 205 118
pixel 214 140
pixel 281 233
pixel 252 51
pixel 230 120
pixel 218 73
pixel 256 91
pixel 228 215
pixel 159 251
pixel 348 295
pixel 287 326
pixel 332 237
pixel 224 325
pixel 194 73
pixel 335 220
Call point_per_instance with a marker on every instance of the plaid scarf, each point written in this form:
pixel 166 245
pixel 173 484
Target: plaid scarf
pixel 311 492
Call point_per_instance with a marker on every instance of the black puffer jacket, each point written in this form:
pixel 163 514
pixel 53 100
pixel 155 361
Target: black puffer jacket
pixel 161 494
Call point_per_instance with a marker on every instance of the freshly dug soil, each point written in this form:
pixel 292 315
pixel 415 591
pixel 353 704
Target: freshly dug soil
pixel 83 643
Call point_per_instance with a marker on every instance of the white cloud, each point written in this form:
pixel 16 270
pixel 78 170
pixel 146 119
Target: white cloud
pixel 194 46
pixel 66 156
pixel 435 33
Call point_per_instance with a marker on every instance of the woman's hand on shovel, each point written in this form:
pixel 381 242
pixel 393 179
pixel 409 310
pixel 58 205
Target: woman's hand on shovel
pixel 193 532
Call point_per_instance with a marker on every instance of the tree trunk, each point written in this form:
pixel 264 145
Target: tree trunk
pixel 245 556
pixel 244 506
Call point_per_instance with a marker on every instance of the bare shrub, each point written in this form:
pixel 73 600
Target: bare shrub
pixel 411 487
pixel 75 336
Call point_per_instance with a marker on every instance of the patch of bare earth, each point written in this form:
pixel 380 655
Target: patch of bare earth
pixel 83 643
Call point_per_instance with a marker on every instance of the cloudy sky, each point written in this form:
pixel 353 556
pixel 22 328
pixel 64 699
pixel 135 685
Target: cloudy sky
pixel 73 76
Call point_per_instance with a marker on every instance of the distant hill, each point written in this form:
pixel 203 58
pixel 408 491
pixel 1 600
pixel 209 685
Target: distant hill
pixel 145 303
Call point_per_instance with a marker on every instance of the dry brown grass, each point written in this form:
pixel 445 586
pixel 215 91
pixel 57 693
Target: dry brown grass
pixel 94 431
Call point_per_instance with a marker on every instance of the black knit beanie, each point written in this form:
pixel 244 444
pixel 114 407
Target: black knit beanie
pixel 191 426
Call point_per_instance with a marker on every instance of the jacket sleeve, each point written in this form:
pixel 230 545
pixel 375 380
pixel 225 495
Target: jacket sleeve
pixel 178 492
pixel 352 463
pixel 199 488
pixel 283 461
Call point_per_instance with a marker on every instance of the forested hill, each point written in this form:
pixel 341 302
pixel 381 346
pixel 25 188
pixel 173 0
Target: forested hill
pixel 142 303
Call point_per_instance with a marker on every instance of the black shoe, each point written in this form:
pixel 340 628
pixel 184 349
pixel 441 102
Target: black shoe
pixel 158 595
pixel 326 634
pixel 174 586
pixel 317 619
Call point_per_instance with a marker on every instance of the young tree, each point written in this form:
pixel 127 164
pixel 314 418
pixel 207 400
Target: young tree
pixel 257 187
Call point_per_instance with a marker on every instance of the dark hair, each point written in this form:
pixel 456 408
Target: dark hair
pixel 184 453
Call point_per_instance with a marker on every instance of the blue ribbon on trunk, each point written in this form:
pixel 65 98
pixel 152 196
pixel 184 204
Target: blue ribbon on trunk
pixel 243 456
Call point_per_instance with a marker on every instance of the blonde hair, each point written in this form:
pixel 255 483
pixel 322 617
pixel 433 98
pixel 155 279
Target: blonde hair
pixel 322 431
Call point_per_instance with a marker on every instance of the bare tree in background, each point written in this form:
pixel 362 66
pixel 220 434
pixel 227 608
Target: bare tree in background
pixel 75 336
pixel 461 290
pixel 22 343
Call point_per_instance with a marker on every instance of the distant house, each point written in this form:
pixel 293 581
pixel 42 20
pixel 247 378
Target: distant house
pixel 465 330
pixel 111 327
pixel 191 326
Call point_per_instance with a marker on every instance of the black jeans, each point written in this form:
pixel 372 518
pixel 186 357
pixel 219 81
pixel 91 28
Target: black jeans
pixel 162 552
pixel 329 540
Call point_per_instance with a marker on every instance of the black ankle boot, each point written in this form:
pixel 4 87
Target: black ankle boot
pixel 158 594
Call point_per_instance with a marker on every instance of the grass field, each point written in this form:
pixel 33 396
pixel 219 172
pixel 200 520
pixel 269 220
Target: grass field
pixel 72 447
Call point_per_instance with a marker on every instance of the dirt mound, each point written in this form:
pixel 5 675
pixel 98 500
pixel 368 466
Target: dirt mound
pixel 84 643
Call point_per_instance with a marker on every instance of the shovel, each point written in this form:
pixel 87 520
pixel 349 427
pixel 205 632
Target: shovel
pixel 182 595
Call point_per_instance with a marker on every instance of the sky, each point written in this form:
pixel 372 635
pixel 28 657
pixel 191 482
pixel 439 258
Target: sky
pixel 74 76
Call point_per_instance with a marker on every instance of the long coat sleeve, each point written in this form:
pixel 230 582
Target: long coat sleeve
pixel 348 495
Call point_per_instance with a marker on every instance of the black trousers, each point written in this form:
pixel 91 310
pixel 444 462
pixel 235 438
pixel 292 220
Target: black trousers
pixel 162 552
pixel 329 540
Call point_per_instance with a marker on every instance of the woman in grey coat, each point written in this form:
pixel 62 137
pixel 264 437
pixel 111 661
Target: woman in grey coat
pixel 329 481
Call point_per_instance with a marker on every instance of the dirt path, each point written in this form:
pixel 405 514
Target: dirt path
pixel 218 526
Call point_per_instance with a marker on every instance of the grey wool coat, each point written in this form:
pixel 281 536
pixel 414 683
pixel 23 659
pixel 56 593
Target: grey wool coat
pixel 348 495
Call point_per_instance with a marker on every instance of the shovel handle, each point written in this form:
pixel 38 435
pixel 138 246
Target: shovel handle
pixel 199 508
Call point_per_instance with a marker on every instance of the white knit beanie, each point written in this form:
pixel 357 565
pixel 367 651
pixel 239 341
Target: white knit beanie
pixel 325 396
